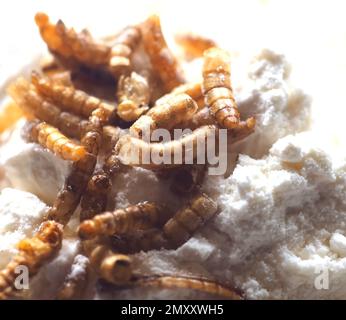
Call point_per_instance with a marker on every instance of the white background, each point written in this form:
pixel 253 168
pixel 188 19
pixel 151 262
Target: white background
pixel 312 34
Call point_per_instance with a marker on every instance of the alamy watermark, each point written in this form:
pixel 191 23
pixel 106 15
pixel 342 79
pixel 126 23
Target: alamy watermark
pixel 181 146
pixel 322 279
pixel 22 280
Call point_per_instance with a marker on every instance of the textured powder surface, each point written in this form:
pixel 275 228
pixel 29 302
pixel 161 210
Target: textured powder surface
pixel 282 211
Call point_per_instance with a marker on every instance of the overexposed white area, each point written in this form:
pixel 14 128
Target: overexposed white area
pixel 283 209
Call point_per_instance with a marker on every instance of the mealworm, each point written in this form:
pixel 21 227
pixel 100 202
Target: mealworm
pixel 175 110
pixel 218 91
pixel 162 60
pixel 193 44
pixel 133 96
pixel 176 231
pixel 122 49
pixel 76 281
pixel 70 99
pixel 142 216
pixel 132 151
pixel 113 267
pixel 192 89
pixel 69 196
pixel 32 253
pixel 31 102
pixel 71 45
pixel 198 284
pixel 52 139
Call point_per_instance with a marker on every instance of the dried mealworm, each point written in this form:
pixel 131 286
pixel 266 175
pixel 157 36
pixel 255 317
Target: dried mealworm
pixel 80 47
pixel 192 89
pixel 52 139
pixel 193 44
pixel 94 199
pixel 70 99
pixel 76 281
pixel 142 216
pixel 162 60
pixel 122 49
pixel 218 91
pixel 133 96
pixel 176 109
pixel 198 284
pixel 10 113
pixel 113 267
pixel 177 230
pixel 136 152
pixel 32 253
pixel 68 198
pixel 110 137
pixel 31 102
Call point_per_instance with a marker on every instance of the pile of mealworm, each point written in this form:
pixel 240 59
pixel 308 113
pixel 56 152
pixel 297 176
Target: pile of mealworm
pixel 85 103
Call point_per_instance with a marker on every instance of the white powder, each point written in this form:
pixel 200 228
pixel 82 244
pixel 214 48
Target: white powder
pixel 282 216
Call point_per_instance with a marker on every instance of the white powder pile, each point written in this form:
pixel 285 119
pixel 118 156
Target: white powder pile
pixel 282 211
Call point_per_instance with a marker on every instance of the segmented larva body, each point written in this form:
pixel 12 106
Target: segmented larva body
pixel 112 267
pixel 52 139
pixel 194 45
pixel 94 199
pixel 162 60
pixel 135 152
pixel 198 284
pixel 125 43
pixel 142 216
pixel 177 230
pixel 192 89
pixel 76 281
pixel 133 96
pixel 166 115
pixel 33 253
pixel 69 196
pixel 218 90
pixel 70 99
pixel 110 137
pixel 32 103
pixel 80 47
